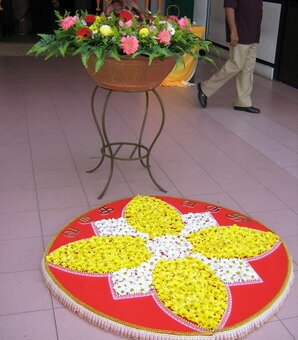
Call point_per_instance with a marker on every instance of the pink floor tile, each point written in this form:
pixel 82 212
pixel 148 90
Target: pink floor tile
pixel 271 330
pixel 287 194
pixel 54 219
pixel 221 199
pixel 16 180
pixel 51 156
pixel 17 135
pixel 71 326
pixel 19 326
pixel 290 307
pixel 292 244
pixel 19 292
pixel 292 326
pixel 19 225
pixel 20 254
pixel 15 157
pixel 17 200
pixel 56 178
pixel 292 170
pixel 284 221
pixel 61 197
pixel 257 200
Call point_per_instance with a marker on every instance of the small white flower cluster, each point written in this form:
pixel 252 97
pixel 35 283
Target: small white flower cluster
pixel 170 247
pixel 230 271
pixel 194 222
pixel 116 227
pixel 135 280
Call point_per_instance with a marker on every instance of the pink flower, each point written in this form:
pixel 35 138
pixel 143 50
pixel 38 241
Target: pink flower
pixel 183 23
pixel 164 37
pixel 129 44
pixel 125 23
pixel 69 21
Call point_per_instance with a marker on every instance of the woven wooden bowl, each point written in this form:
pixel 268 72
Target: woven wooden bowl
pixel 131 74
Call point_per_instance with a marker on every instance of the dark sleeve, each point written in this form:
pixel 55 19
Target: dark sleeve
pixel 230 3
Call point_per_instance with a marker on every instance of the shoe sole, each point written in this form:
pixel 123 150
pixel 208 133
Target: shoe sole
pixel 239 108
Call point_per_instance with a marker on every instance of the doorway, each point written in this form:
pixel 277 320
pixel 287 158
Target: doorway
pixel 287 50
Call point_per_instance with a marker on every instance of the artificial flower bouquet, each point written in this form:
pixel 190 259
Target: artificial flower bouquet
pixel 152 36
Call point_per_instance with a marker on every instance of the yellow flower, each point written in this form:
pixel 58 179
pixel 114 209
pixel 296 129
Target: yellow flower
pixel 144 32
pixel 99 19
pixel 153 216
pixel 193 294
pixel 93 28
pixel 106 30
pixel 232 242
pixel 101 254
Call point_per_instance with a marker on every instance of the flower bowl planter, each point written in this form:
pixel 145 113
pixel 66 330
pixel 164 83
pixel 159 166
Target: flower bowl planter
pixel 131 74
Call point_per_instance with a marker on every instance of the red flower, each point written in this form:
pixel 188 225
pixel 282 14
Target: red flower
pixel 126 16
pixel 173 18
pixel 83 32
pixel 89 19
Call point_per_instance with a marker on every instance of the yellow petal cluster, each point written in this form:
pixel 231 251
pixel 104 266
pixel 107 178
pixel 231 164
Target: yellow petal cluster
pixel 232 242
pixel 153 216
pixel 106 30
pixel 99 19
pixel 101 255
pixel 144 32
pixel 190 289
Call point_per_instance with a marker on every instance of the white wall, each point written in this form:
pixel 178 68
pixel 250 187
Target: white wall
pixel 269 33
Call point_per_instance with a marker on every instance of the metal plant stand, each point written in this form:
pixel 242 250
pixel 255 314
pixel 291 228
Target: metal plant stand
pixel 138 151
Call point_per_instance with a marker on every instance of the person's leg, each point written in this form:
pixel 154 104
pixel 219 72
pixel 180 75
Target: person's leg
pixel 237 58
pixel 244 79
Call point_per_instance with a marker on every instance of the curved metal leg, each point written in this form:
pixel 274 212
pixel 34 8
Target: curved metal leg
pixel 106 139
pixel 155 139
pixel 142 129
pixel 98 129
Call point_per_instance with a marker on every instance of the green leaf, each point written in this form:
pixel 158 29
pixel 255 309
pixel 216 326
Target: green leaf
pixel 63 48
pixel 85 58
pixel 114 54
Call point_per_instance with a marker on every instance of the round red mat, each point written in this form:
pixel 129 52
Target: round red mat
pixel 144 316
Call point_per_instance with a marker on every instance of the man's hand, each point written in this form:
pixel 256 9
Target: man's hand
pixel 234 38
pixel 230 16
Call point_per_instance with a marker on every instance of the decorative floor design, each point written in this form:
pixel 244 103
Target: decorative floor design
pixel 134 266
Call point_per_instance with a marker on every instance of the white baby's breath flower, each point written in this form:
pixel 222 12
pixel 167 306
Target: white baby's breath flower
pixel 171 28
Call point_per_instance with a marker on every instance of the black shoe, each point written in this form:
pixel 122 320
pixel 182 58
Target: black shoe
pixel 249 109
pixel 202 97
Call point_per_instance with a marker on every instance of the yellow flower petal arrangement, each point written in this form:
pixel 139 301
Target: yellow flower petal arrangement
pixel 191 289
pixel 153 216
pixel 100 255
pixel 232 242
pixel 190 280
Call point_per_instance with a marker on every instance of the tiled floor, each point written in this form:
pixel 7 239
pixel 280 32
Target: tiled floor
pixel 242 161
